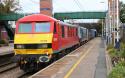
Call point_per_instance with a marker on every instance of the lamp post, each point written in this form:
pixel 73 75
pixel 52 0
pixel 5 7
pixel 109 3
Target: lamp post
pixel 102 29
pixel 110 18
pixel 117 43
pixel 103 25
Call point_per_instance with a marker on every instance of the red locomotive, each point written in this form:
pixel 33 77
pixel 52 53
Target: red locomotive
pixel 40 38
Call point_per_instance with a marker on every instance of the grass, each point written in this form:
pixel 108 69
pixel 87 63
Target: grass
pixel 118 61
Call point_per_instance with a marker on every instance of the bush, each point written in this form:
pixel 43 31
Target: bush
pixel 122 46
pixel 113 53
pixel 118 71
pixel 122 54
pixel 110 46
pixel 118 60
pixel 4 42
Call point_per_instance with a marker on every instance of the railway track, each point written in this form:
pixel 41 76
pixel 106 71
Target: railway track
pixel 26 75
pixel 6 59
pixel 14 72
pixel 7 67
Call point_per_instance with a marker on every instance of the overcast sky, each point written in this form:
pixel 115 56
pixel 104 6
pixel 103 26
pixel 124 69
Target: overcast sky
pixel 32 6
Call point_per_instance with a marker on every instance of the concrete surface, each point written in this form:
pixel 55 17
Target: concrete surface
pixel 7 49
pixel 88 61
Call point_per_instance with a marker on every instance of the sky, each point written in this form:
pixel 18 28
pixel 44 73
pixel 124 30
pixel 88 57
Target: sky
pixel 32 6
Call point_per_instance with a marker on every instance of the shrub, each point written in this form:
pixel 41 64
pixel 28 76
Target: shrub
pixel 122 54
pixel 110 46
pixel 122 46
pixel 118 71
pixel 118 60
pixel 4 42
pixel 113 53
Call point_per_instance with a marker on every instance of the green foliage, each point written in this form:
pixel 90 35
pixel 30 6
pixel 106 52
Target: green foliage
pixel 122 50
pixel 4 42
pixel 121 63
pixel 122 12
pixel 110 46
pixel 118 71
pixel 122 46
pixel 122 54
pixel 119 57
pixel 116 53
pixel 9 6
pixel 113 53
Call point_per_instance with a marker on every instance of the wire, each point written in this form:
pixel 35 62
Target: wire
pixel 77 4
pixel 27 8
pixel 54 1
pixel 34 1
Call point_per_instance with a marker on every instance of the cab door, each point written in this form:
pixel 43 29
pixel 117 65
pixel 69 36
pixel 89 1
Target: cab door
pixel 56 36
pixel 59 32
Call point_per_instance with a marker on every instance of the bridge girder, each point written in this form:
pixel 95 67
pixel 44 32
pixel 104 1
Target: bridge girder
pixel 80 15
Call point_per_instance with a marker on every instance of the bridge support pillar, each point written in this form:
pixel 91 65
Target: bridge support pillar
pixel 8 29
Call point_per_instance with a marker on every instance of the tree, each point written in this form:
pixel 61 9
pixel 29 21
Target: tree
pixel 122 12
pixel 9 6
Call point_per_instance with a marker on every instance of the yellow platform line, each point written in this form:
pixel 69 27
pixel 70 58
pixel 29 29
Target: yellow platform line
pixel 77 63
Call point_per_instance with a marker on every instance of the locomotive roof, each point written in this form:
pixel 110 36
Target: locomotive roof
pixel 83 27
pixel 41 17
pixel 36 17
pixel 63 23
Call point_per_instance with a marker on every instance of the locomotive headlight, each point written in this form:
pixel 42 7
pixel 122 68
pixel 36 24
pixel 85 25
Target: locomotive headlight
pixel 19 46
pixel 44 59
pixel 43 46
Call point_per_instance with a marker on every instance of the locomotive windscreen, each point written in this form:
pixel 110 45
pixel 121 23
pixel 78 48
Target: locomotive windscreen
pixel 38 27
pixel 25 28
pixel 42 27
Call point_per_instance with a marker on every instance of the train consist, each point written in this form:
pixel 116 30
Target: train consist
pixel 40 39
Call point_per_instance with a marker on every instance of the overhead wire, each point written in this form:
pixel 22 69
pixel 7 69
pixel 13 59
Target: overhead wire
pixel 27 8
pixel 59 5
pixel 53 1
pixel 79 3
pixel 34 1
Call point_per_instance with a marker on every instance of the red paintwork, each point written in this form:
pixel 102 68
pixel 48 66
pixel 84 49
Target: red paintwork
pixel 66 41
pixel 36 18
pixel 57 42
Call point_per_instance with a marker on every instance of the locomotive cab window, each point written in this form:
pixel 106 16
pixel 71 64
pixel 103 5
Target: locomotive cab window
pixel 63 31
pixel 76 32
pixel 42 27
pixel 25 28
pixel 55 29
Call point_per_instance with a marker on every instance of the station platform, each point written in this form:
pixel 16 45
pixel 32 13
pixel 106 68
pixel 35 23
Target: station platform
pixel 7 50
pixel 88 61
